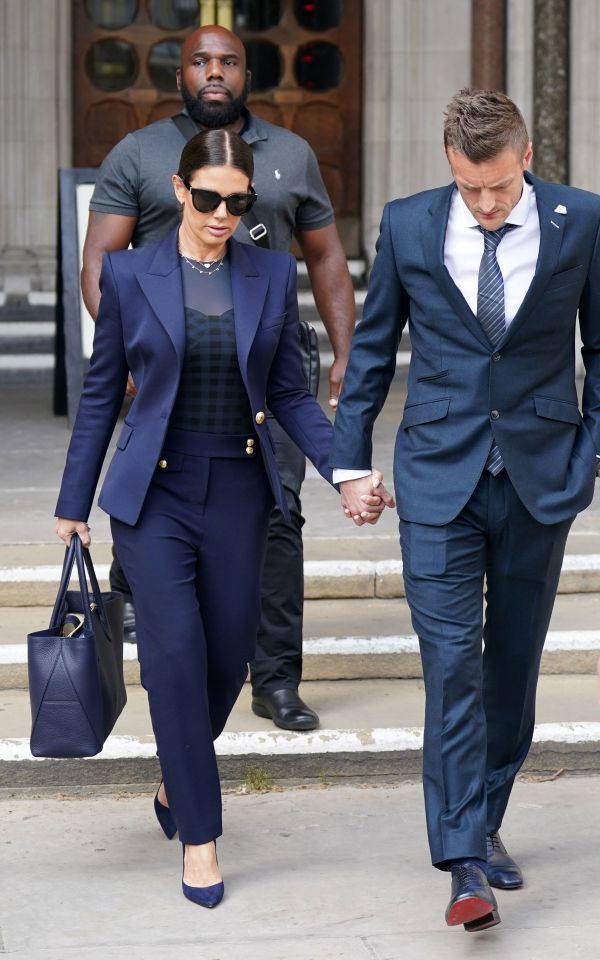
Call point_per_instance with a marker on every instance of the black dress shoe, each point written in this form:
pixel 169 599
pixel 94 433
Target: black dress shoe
pixel 471 899
pixel 285 709
pixel 129 634
pixel 502 871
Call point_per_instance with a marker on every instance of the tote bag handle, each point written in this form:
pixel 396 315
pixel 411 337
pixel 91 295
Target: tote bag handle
pixel 75 553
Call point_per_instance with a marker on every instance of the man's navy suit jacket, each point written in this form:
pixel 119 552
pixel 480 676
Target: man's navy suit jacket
pixel 462 391
pixel 141 328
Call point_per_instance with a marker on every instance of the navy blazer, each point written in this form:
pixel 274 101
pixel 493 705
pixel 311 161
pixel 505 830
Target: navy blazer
pixel 462 391
pixel 141 328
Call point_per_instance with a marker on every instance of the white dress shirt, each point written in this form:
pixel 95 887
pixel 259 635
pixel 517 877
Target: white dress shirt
pixel 517 252
pixel 517 255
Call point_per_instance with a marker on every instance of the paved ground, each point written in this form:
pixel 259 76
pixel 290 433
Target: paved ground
pixel 336 873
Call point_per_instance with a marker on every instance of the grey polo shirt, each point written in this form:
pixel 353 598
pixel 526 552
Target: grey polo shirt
pixel 135 181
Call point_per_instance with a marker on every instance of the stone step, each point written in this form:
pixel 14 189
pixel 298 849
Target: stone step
pixel 35 585
pixel 26 367
pixel 359 544
pixel 358 639
pixel 27 336
pixel 370 729
pixel 27 341
pixel 308 311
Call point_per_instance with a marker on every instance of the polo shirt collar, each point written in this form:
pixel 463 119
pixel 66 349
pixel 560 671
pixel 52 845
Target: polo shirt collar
pixel 254 128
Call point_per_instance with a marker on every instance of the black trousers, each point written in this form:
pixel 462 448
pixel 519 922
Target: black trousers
pixel 278 661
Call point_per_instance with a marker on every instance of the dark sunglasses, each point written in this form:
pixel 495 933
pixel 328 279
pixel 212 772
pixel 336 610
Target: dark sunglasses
pixel 205 201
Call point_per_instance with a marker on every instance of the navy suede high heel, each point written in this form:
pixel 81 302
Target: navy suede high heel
pixel 164 817
pixel 204 896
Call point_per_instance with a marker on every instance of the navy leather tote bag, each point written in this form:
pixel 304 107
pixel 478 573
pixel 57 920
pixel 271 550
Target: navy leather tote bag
pixel 76 685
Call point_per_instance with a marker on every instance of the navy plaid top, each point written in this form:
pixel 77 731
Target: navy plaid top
pixel 211 397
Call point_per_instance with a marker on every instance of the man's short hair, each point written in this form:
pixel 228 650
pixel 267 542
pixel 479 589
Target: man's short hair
pixel 480 124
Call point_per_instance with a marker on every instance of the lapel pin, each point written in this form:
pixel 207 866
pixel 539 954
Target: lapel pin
pixel 555 224
pixel 560 208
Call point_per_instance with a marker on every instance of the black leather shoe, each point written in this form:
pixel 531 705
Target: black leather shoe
pixel 285 709
pixel 471 897
pixel 129 634
pixel 502 871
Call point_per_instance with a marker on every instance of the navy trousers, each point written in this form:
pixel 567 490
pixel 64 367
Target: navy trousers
pixel 194 561
pixel 480 707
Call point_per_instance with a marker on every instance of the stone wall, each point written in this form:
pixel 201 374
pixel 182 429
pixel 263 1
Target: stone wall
pixel 584 155
pixel 519 57
pixel 417 54
pixel 35 121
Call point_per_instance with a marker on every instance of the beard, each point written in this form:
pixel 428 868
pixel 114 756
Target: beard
pixel 212 113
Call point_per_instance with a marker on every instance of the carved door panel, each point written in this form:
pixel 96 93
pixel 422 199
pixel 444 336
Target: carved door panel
pixel 306 62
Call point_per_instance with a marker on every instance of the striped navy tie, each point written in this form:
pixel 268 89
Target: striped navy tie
pixel 490 311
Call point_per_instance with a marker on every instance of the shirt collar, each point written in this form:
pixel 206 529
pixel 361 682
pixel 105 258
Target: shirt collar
pixel 517 216
pixel 254 129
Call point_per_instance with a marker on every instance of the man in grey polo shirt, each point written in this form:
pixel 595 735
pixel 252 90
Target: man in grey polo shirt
pixel 133 202
pixel 135 182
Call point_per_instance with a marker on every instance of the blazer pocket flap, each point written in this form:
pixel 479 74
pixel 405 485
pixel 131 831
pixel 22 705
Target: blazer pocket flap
pixel 124 436
pixel 425 412
pixel 277 321
pixel 564 277
pixel 433 376
pixel 563 410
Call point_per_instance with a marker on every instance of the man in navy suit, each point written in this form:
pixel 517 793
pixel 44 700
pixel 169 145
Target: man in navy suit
pixel 493 459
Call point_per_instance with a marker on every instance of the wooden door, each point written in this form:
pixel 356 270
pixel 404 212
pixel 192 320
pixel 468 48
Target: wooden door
pixel 306 62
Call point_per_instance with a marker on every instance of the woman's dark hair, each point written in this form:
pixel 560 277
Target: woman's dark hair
pixel 215 148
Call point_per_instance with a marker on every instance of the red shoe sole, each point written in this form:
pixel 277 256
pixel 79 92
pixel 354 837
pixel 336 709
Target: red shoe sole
pixel 471 908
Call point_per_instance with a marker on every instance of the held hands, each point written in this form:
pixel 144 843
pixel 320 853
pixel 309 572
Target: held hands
pixel 365 499
pixel 66 528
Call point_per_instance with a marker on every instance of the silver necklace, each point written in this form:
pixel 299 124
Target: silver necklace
pixel 207 272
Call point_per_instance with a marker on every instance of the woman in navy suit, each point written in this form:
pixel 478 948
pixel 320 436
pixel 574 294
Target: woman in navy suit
pixel 208 328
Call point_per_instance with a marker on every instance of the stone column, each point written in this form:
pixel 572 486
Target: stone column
pixel 35 120
pixel 417 55
pixel 585 95
pixel 488 44
pixel 519 57
pixel 551 89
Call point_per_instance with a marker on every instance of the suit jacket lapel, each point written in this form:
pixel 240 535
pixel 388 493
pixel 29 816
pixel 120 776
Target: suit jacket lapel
pixel 552 227
pixel 434 232
pixel 249 289
pixel 162 287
